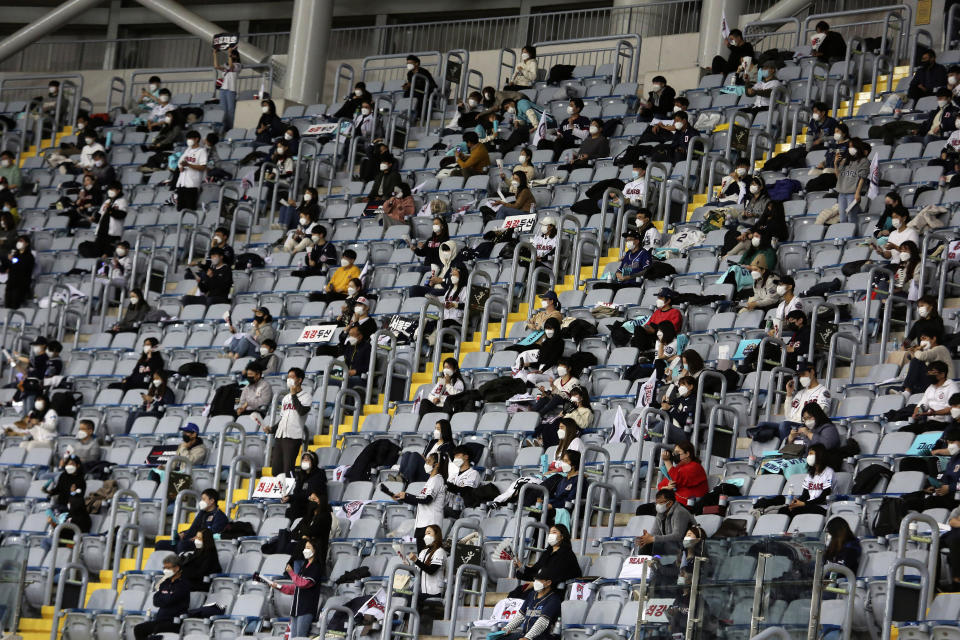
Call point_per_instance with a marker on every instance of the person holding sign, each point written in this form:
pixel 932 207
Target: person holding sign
pixel 228 85
pixel 523 198
pixel 305 589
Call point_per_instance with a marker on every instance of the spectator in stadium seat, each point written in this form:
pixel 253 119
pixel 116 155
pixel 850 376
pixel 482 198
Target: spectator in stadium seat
pixel 256 394
pixel 314 525
pixel 934 407
pixel 675 149
pixel 820 128
pixel 646 335
pixel 538 613
pixel 767 81
pixel 386 180
pixel 347 313
pixel 155 400
pixel 816 487
pixel 564 492
pixel 321 257
pixel 535 360
pixel 431 498
pixel 571 132
pixel 399 206
pixel 192 445
pixel 201 563
pixel 159 112
pixel 309 478
pixel 593 147
pixel 477 161
pixel 209 516
pixel 793 404
pixel 353 103
pixel 355 352
pixel 228 85
pixel 149 362
pixel 269 126
pixel 764 295
pixel 336 288
pixel 136 313
pixel 115 270
pixel 299 238
pixel 149 96
pixel 579 410
pixel 901 234
pixel 546 241
pixel 168 136
pixel 70 479
pixel 410 467
pixel 291 430
pixel 18 265
pixel 462 478
pixel 853 175
pixel 661 133
pixel 219 240
pixel 86 448
pixel 526 121
pixel 420 80
pixel 87 202
pixel 929 76
pixel 10 170
pixel 558 558
pixel 361 317
pixel 429 249
pixel 843 547
pixel 468 114
pixel 456 298
pixel 247 344
pixel 564 436
pixel 214 282
pixel 75 512
pixel 305 589
pixel 672 522
pixel 549 308
pixel 685 477
pixel 171 600
pixel 633 263
pixel 268 360
pixel 893 203
pixel 759 253
pixel 193 169
pixel 906 276
pixel 941 121
pixel 523 199
pixel 659 102
pixel 290 212
pixel 940 494
pixel 39 425
pixel 831 47
pixel 525 74
pixel 524 165
pixel 438 281
pixel 555 394
pixel 816 428
pixel 738 49
pixel 927 350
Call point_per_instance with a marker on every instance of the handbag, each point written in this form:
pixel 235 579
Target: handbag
pixel 793 450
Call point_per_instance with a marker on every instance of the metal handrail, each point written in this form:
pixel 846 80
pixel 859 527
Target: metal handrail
pixel 726 166
pixel 471 524
pixel 485 318
pixel 795 122
pixel 627 46
pixel 393 363
pixel 772 632
pixel 137 249
pixel 893 582
pixel 851 593
pixel 501 81
pixel 475 274
pixel 206 74
pixel 538 545
pixel 773 387
pixel 165 485
pixel 760 135
pixel 691 152
pixel 418 345
pixel 459 589
pixel 692 617
pixel 832 356
pixel 372 364
pixel 666 200
pixel 698 408
pixel 338 413
pixel 389 609
pixel 117 85
pixel 178 508
pixel 578 257
pixel 196 222
pixel 335 160
pixel 653 463
pixel 713 427
pixel 54 550
pixel 875 74
pixel 890 11
pixel 865 330
pixel 67 80
pixel 264 169
pixel 221 446
pixel 532 279
pixel 755 397
pixel 604 476
pixel 814 78
pixel 529 487
pixel 750 29
pixel 933 555
pixel 948 26
pixel 642 418
pixel 58 609
pixel 590 508
pixel 342 70
pixel 566 218
pixel 324 386
pixel 731 122
pixel 440 334
pixel 310 144
pixel 112 519
pixel 338 608
pixel 523 244
pixel 604 204
pixel 755 617
pixel 121 542
pixel 816 313
pixel 234 476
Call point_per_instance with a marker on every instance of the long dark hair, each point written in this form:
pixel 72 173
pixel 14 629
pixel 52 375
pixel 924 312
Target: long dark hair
pixel 687 447
pixel 446 431
pixel 820 452
pixel 816 412
pixel 911 266
pixel 840 534
pixel 456 376
pixel 694 361
pixel 521 177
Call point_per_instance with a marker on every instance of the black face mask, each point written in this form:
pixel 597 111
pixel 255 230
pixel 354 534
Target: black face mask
pixel 187 438
pixel 258 318
pixel 251 380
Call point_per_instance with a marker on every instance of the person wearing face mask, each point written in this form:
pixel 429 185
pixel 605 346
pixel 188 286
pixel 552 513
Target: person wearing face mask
pixel 193 168
pixel 419 84
pixel 449 383
pixel 155 401
pixel 570 132
pixel 284 161
pixel 149 362
pixel 674 149
pixel 565 491
pixel 227 84
pixel 430 499
pixel 793 405
pixel 633 262
pixel 456 298
pixel 558 558
pixel 355 351
pixel 815 428
pixel 842 545
pixel 438 281
pixel 538 613
pixel 305 589
pixel 75 512
pixel 299 238
pixel 906 276
pixel 525 73
pixel 929 76
pixel 30 369
pixel 546 241
pixel 321 257
pixel 524 165
pixel 149 96
pixel 86 448
pixel 659 102
pixel 209 516
pixel 558 392
pixel 764 295
pixel 202 562
pixel 269 126
pixel 672 522
pixel 939 492
pixel 314 524
pixel 821 127
pixel 767 81
pixel 759 255
pixel 102 172
pixel 816 487
pixel 893 204
pixel 386 180
pixel 565 438
pixel 268 359
pixel 169 135
pixel 580 412
pixel 934 407
pixel 593 147
pixel 10 170
pixel 291 429
pixel 171 600
pixel 160 109
pixel 291 212
pixel 399 206
pixel 429 249
pixel 116 270
pixel 255 397
pixel 684 476
pixel 90 146
pixel 645 336
pixel 247 344
pixel 853 174
pixel 39 425
pixel 549 308
pixel 681 410
pixel 410 467
pixel 309 478
pixel 109 224
pixel 789 302
pixel 71 479
pixel 738 49
pixel 353 102
pixel 214 283
pixel 477 159
pixel 462 479
pixel 81 210
pixel 360 316
pixel 467 115
pixel 430 560
pixel 536 360
pixel 928 322
pixel 733 187
pixel 900 234
pixel 522 202
pixel 926 351
pixel 18 265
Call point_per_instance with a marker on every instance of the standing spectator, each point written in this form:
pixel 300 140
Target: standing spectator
pixel 228 85
pixel 18 265
pixel 309 478
pixel 305 589
pixel 214 282
pixel 171 600
pixel 830 46
pixel 430 561
pixel 431 498
pixel 929 76
pixel 419 81
pixel 290 431
pixel 659 102
pixel 270 125
pixel 739 48
pixel 109 221
pixel 525 74
pixel 853 174
pixel 193 168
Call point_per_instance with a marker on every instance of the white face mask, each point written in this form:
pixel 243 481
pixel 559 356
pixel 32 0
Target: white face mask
pixel 544 229
pixel 538 585
pixel 358 92
pixel 113 193
pixel 549 332
pixel 524 56
pixel 805 381
pixel 659 335
pixel 352 340
pixel 191 142
pixel 630 245
pixel 288 136
pixel 543 304
pixel 198 543
pixel 308 553
pixel 838 136
pixel 21 246
pixel 561 434
pixel 852 151
pixel 569 110
pixel 953 448
pixel 264 351
pixel 562 371
pixel 351 291
pixel 70 468
pixel 515 184
pixel 657 87
pixel 436 434
pixel 660 303
pixel 203 505
pixel 741 171
pixel 923 312
pixel 291 383
pixel 512 110
pixel 941 103
pixel 157 383
pixel 683 389
pixel 553 539
pixel 455 279
pixel 305 465
pixel 688 542
pixel 811 460
pixel 436 228
pixel 755 241
pixel 594 130
pixel 677 108
pixel 447 371
pixel 37 350
pixel 781 289
pixel 904 256
pixel 364 111
pixel 428 468
pixel 754 188
pixel 661 507
pixel 815 117
pixel 409 66
pixel 154 87
pixel 167 574
pixel 164 99
pixel 459 462
pixel 924 344
pixel 951 80
pixel 471 103
pixel 428 539
pixel 344 263
pixel 316 239
pixel 4 163
pixel 264 109
pixel 359 309
pixel 565 466
pixel 384 166
pixel 523 158
pixel 955 412
pixel 89 141
pixel 147 349
pixel 38 405
pixel 810 424
pixel 755 274
pixel 895 223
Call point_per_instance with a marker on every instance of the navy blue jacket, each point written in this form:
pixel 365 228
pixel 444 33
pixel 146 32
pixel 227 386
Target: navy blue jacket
pixel 172 599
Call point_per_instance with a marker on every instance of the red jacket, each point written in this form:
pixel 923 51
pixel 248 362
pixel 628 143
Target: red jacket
pixel 690 480
pixel 671 315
